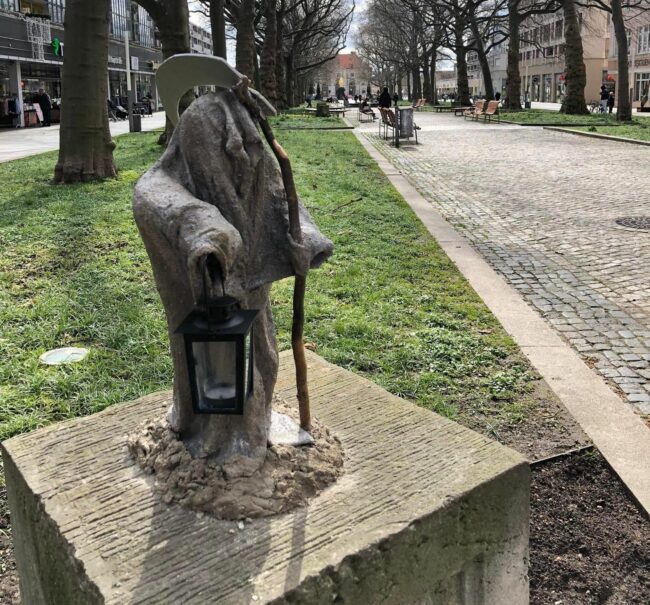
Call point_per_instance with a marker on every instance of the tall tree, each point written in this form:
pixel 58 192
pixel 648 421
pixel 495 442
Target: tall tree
pixel 172 19
pixel 518 12
pixel 619 9
pixel 245 50
pixel 218 28
pixel 269 53
pixel 576 74
pixel 85 148
pixel 624 105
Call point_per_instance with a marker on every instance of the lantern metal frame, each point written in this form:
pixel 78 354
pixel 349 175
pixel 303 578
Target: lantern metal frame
pixel 220 321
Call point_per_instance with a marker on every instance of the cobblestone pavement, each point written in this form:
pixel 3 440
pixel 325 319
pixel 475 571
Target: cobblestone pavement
pixel 540 207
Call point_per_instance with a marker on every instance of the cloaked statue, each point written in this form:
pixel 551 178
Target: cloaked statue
pixel 213 215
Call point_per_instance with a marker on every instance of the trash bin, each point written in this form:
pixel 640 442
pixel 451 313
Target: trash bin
pixel 405 122
pixel 322 109
pixel 137 122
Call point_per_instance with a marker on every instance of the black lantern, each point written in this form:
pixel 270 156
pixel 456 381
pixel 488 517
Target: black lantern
pixel 219 350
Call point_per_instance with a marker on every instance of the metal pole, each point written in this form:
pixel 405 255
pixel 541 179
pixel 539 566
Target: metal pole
pixel 129 88
pixel 397 126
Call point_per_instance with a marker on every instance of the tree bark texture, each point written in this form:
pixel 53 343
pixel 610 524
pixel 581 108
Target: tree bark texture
pixel 426 74
pixel 245 48
pixel 576 76
pixel 623 105
pixel 217 193
pixel 172 18
pixel 268 55
pixel 513 84
pixel 482 58
pixel 85 147
pixel 218 28
pixel 461 74
pixel 290 80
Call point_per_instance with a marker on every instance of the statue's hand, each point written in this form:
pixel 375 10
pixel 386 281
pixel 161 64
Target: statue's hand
pixel 210 257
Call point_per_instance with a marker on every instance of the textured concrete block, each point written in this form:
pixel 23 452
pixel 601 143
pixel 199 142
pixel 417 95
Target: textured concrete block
pixel 428 512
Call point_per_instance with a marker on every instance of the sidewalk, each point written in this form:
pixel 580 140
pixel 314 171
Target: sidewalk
pixel 22 142
pixel 542 225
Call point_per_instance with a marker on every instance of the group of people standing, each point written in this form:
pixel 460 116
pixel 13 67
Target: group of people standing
pixel 606 100
pixel 385 100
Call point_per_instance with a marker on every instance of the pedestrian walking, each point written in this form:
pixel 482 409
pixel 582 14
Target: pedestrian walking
pixel 604 97
pixel 43 99
pixel 384 98
pixel 395 98
pixel 610 102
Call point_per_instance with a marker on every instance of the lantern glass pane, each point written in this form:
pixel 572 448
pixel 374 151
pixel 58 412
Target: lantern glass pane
pixel 216 374
pixel 248 374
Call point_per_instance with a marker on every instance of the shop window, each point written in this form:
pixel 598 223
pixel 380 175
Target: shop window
pixel 643 40
pixel 10 5
pixel 135 23
pixel 38 7
pixel 641 85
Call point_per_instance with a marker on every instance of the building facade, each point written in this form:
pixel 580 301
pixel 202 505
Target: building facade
pixel 446 82
pixel 200 40
pixel 638 42
pixel 542 60
pixel 498 62
pixel 347 72
pixel 32 46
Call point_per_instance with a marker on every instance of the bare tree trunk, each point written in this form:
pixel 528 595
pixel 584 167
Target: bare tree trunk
pixel 623 106
pixel 482 58
pixel 290 80
pixel 426 90
pixel 461 75
pixel 85 148
pixel 280 83
pixel 245 50
pixel 513 83
pixel 172 18
pixel 218 27
pixel 417 84
pixel 268 55
pixel 576 77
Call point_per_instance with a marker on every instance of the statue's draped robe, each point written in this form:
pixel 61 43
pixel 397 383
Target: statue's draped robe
pixel 217 193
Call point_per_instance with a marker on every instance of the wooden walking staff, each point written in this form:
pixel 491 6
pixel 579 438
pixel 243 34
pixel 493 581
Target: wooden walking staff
pixel 300 284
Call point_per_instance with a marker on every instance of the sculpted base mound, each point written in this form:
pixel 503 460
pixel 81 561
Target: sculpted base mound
pixel 240 489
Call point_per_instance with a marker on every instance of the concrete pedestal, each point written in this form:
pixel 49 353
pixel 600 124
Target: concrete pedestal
pixel 428 512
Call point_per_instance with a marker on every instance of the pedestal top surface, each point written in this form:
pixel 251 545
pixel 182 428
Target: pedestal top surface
pixel 402 463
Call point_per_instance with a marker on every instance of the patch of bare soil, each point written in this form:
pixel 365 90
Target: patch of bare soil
pixel 589 545
pixel 547 429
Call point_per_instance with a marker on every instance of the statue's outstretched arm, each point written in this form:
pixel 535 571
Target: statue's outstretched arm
pixel 192 229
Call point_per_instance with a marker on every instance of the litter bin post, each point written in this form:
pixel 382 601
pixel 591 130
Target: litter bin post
pixel 136 122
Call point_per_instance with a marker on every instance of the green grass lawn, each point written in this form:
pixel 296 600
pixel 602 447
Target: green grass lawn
pixel 389 304
pixel 639 130
pixel 286 121
pixel 548 117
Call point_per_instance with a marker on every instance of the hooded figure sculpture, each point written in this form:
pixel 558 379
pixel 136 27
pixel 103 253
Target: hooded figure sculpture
pixel 216 199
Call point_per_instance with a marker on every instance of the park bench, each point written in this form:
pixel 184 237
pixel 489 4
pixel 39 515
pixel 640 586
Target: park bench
pixel 419 104
pixel 387 121
pixel 472 112
pixel 491 110
pixel 364 116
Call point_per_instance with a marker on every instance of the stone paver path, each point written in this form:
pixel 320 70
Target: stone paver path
pixel 540 206
pixel 19 143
